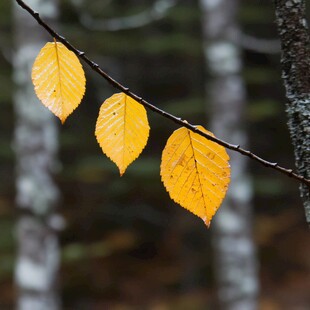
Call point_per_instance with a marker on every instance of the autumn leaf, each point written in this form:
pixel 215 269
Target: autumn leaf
pixel 58 79
pixel 122 129
pixel 195 172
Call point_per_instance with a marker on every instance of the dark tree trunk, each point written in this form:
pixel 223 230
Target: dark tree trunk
pixel 295 45
pixel 234 251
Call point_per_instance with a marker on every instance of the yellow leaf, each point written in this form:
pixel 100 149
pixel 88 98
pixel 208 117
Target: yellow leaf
pixel 122 129
pixel 58 79
pixel 195 172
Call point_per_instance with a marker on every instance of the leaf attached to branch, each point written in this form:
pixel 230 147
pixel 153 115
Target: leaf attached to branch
pixel 59 79
pixel 122 129
pixel 195 172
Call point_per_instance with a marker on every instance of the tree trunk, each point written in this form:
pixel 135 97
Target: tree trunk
pixel 234 251
pixel 295 45
pixel 35 146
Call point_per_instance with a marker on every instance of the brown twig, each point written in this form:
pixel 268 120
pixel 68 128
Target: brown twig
pixel 178 120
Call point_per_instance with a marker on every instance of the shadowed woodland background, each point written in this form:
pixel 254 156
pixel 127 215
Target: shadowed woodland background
pixel 125 244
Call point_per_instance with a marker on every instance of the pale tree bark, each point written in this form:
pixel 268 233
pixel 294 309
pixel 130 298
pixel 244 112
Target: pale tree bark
pixel 35 145
pixel 295 46
pixel 234 251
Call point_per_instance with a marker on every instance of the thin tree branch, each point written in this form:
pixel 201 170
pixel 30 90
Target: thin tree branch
pixel 7 55
pixel 258 45
pixel 157 11
pixel 177 120
pixel 79 3
pixel 265 46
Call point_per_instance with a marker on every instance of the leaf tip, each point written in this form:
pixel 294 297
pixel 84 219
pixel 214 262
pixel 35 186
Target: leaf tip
pixel 206 221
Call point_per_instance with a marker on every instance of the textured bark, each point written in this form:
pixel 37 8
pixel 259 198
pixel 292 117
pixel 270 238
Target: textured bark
pixel 234 259
pixel 35 146
pixel 295 45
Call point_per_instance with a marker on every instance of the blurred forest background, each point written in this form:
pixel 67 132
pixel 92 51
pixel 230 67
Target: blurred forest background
pixel 125 244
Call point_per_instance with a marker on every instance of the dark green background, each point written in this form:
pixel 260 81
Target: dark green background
pixel 126 243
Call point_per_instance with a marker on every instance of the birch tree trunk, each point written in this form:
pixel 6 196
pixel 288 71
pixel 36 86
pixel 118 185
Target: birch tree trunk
pixel 295 45
pixel 234 258
pixel 35 146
